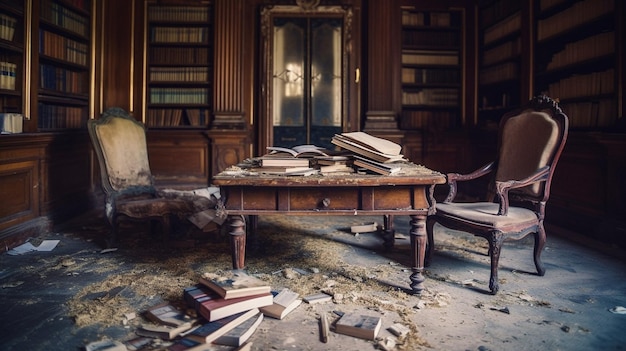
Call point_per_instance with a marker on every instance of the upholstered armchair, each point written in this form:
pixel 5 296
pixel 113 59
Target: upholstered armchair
pixel 530 142
pixel 120 145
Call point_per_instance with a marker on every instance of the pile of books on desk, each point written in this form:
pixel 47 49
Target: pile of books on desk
pixel 371 153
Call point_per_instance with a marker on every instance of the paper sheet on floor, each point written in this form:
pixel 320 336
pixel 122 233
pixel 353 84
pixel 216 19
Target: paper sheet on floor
pixel 46 245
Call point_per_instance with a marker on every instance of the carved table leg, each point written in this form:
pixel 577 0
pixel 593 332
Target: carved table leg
pixel 237 233
pixel 418 246
pixel 389 233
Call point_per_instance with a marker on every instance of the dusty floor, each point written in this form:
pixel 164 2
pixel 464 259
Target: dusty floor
pixel 64 299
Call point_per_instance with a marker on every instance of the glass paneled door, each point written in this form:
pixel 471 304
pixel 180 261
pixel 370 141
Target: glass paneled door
pixel 306 80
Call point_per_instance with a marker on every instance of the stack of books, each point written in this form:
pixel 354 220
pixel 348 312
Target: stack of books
pixel 371 153
pixel 297 160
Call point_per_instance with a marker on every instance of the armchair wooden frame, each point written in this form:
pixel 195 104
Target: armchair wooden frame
pixel 530 142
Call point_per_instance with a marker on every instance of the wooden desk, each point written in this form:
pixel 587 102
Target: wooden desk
pixel 409 193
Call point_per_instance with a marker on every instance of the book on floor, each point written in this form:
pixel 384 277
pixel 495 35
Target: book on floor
pixel 209 332
pixel 163 332
pixel 359 325
pixel 241 333
pixel 167 314
pixel 234 283
pixel 105 345
pixel 284 302
pixel 317 298
pixel 212 306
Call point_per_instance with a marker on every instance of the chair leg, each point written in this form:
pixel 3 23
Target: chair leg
pixel 430 241
pixel 111 241
pixel 540 241
pixel 495 244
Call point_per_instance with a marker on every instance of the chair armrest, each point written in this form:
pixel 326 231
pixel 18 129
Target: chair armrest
pixel 503 187
pixel 453 178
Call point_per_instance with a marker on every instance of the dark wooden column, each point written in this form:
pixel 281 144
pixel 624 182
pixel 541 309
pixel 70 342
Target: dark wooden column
pixel 383 72
pixel 229 128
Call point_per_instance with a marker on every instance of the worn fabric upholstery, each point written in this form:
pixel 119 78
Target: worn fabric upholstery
pixel 528 142
pixel 125 153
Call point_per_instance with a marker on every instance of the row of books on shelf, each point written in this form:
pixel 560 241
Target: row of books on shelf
pixel 434 19
pixel 430 57
pixel 591 47
pixel 227 310
pixel 7 27
pixel 63 80
pixel 591 114
pixel 428 120
pixel 430 39
pixel 179 95
pixel 187 74
pixel 431 97
pixel 412 75
pixel 63 17
pixel 579 13
pixel 178 13
pixel 596 83
pixel 62 48
pixel 7 75
pixel 503 28
pixel 61 117
pixel 179 56
pixel 178 34
pixel 498 10
pixel 499 73
pixel 502 52
pixel 176 117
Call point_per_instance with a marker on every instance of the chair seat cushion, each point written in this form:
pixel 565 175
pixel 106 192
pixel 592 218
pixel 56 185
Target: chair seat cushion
pixel 486 214
pixel 155 207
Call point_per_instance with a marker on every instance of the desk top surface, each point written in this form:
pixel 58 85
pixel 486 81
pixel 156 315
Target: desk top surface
pixel 410 174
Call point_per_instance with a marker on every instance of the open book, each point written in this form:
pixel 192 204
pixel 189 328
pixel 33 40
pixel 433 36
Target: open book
pixel 298 151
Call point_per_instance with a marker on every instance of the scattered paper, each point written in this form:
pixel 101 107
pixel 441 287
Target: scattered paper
pixel 46 245
pixel 618 310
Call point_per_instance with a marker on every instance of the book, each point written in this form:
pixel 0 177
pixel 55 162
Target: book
pixel 241 333
pixel 265 161
pixel 359 149
pixel 105 345
pixel 282 170
pixel 209 332
pixel 212 306
pixel 234 283
pixel 164 332
pixel 359 325
pixel 336 168
pixel 299 151
pixel 317 298
pixel 381 145
pixel 377 167
pixel 284 302
pixel 167 314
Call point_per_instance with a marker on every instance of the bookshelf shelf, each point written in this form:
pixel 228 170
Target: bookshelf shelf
pixel 576 60
pixel 431 62
pixel 12 58
pixel 179 69
pixel 63 67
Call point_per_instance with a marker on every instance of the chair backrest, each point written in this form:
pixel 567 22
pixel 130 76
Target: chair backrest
pixel 120 144
pixel 530 138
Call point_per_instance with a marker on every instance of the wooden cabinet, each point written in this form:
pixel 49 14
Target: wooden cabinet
pixel 432 68
pixel 178 51
pixel 577 61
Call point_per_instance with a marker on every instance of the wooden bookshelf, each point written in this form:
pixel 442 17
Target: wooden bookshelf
pixel 500 60
pixel 576 59
pixel 432 68
pixel 178 70
pixel 64 64
pixel 12 60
